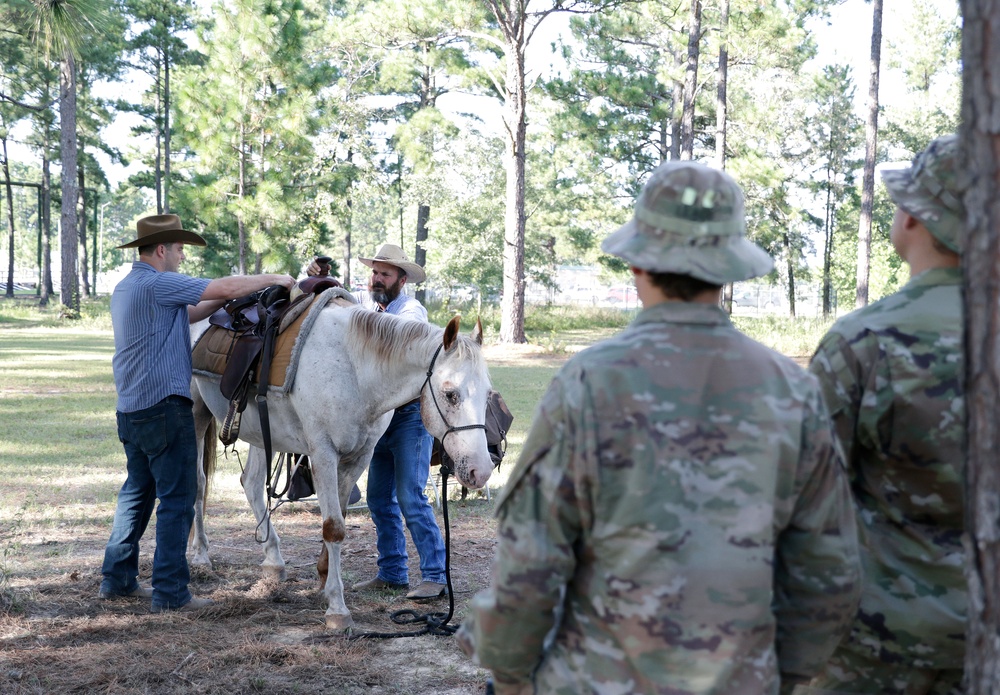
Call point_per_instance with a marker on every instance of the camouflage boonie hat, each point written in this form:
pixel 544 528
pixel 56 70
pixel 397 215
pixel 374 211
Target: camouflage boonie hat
pixel 689 220
pixel 931 190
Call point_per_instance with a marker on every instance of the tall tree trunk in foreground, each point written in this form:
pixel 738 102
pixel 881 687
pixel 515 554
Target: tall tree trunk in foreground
pixel 69 291
pixel 871 148
pixel 691 81
pixel 981 268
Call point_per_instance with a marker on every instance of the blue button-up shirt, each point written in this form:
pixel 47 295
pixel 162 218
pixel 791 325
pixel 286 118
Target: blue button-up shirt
pixel 152 335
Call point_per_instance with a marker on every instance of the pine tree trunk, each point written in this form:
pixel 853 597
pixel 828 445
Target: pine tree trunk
pixel 720 96
pixel 69 294
pixel 46 280
pixel 10 220
pixel 871 149
pixel 158 137
pixel 512 305
pixel 981 269
pixel 166 127
pixel 420 254
pixel 82 216
pixel 721 116
pixel 241 192
pixel 348 228
pixel 691 81
pixel 829 216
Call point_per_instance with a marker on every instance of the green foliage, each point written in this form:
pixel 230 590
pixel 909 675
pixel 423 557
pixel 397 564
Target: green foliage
pixel 321 126
pixel 796 337
pixel 249 113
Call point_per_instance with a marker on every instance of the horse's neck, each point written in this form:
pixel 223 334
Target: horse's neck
pixel 393 382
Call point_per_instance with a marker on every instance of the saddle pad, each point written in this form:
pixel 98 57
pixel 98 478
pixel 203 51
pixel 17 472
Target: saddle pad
pixel 209 355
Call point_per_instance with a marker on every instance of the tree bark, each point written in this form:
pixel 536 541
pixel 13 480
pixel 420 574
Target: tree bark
pixel 47 290
pixel 829 216
pixel 790 267
pixel 10 220
pixel 158 133
pixel 348 228
pixel 721 105
pixel 512 19
pixel 980 136
pixel 721 116
pixel 82 216
pixel 241 193
pixel 691 81
pixel 420 255
pixel 512 305
pixel 166 126
pixel 871 149
pixel 69 294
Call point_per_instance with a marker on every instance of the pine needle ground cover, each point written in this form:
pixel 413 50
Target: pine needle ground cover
pixel 62 466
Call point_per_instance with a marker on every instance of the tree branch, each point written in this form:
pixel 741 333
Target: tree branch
pixel 11 100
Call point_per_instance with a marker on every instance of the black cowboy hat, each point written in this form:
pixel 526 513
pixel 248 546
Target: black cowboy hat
pixel 163 229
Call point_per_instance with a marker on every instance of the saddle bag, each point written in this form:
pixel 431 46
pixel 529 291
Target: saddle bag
pixel 498 421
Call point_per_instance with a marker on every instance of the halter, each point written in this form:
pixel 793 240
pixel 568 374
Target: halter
pixel 430 371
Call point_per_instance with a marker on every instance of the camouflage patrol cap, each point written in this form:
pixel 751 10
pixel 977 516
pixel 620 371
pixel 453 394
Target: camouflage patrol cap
pixel 689 220
pixel 931 191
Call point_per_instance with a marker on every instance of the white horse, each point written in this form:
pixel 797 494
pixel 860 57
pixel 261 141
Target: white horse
pixel 354 368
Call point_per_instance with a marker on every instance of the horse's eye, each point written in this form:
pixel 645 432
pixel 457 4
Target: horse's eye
pixel 451 397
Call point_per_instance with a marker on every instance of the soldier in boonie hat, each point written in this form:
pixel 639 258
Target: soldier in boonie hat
pixel 689 220
pixel 931 190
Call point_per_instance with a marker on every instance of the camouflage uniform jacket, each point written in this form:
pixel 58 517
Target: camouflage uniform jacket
pixel 681 503
pixel 892 377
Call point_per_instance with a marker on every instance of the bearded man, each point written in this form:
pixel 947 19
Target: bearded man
pixel 401 461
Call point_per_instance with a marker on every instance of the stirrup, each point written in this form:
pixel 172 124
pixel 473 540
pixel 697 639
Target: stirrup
pixel 230 430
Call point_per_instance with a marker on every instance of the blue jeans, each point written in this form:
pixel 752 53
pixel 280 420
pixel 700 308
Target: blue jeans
pixel 162 459
pixel 396 480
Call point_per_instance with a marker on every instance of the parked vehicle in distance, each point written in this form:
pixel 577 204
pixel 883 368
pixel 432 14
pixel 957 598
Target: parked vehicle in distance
pixel 623 294
pixel 760 298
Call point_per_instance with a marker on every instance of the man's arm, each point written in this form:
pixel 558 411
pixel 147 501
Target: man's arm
pixel 836 367
pixel 222 289
pixel 817 573
pixel 539 523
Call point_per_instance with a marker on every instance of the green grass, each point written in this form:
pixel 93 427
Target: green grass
pixel 522 387
pixel 796 337
pixel 24 312
pixel 57 420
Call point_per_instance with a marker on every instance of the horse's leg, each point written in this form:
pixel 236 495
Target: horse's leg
pixel 324 470
pixel 254 481
pixel 204 428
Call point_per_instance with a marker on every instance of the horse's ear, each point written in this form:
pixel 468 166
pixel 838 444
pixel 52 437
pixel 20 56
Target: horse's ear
pixel 477 331
pixel 450 333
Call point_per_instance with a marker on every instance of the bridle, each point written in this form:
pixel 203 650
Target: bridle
pixel 450 429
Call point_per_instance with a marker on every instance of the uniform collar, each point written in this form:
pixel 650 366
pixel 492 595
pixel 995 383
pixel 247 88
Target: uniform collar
pixel 937 276
pixel 684 312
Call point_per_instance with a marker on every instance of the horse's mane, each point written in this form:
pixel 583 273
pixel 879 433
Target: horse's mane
pixel 388 337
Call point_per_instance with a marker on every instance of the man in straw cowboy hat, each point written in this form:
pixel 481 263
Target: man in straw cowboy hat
pixel 678 520
pixel 151 309
pixel 891 375
pixel 400 465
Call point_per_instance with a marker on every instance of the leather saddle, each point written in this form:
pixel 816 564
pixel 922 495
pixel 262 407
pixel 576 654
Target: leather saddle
pixel 255 321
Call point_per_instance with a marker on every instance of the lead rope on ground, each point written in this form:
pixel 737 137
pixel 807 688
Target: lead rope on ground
pixel 435 623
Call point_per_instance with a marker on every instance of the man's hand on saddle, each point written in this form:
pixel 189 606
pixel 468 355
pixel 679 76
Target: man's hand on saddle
pixel 286 281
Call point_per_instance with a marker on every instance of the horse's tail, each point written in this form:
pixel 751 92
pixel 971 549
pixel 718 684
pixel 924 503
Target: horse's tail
pixel 209 455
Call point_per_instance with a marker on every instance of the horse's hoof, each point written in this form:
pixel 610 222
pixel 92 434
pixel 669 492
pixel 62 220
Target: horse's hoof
pixel 276 573
pixel 201 563
pixel 340 623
